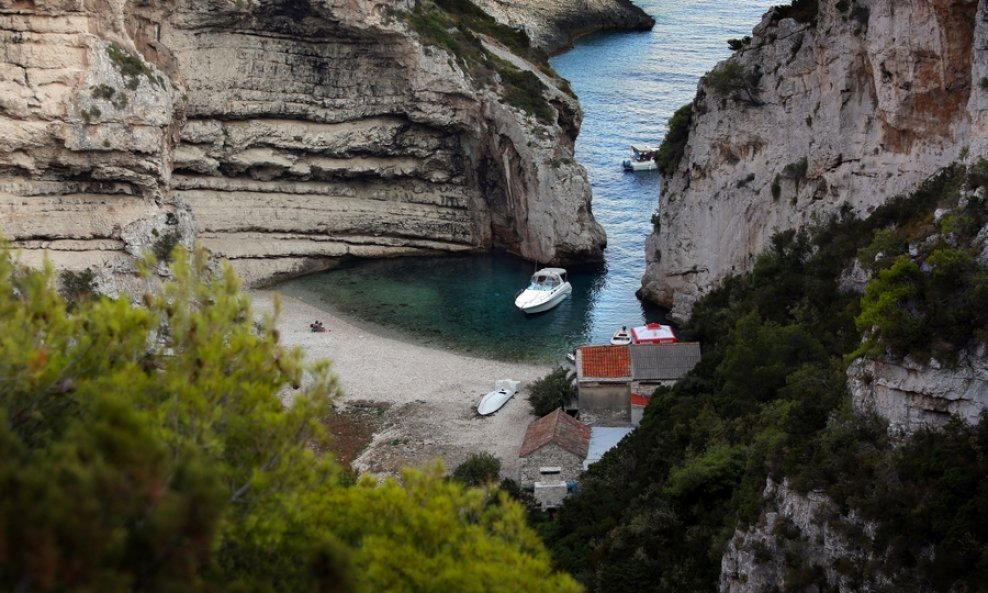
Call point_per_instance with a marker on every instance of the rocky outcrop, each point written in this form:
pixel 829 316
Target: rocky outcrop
pixel 802 541
pixel 84 156
pixel 554 25
pixel 912 396
pixel 858 105
pixel 281 135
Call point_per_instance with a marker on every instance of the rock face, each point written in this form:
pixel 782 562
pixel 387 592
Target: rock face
pixel 554 25
pixel 912 396
pixel 847 111
pixel 84 155
pixel 801 538
pixel 282 135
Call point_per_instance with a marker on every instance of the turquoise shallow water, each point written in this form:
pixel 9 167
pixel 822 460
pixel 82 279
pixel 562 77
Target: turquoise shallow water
pixel 628 84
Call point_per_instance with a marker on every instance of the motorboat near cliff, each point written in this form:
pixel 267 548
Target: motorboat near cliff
pixel 504 389
pixel 642 158
pixel 547 289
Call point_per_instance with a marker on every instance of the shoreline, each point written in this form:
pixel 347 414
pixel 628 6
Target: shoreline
pixel 427 395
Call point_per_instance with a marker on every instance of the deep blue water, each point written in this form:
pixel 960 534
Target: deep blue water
pixel 629 84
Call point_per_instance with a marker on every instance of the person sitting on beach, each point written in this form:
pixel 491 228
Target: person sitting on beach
pixel 317 326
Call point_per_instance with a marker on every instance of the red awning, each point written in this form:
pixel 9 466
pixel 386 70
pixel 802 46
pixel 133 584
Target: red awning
pixel 638 399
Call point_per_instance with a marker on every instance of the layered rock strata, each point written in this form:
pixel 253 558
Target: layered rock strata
pixel 859 105
pixel 554 25
pixel 912 396
pixel 282 135
pixel 85 150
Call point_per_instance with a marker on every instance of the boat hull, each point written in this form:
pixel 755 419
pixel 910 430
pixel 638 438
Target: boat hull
pixel 494 401
pixel 527 302
pixel 630 165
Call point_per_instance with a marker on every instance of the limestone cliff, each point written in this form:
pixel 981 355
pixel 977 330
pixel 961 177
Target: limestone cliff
pixel 852 106
pixel 911 395
pixel 280 134
pixel 802 539
pixel 554 25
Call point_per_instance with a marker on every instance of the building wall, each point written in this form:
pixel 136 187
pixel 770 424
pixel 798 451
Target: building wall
pixel 605 404
pixel 550 495
pixel 551 455
pixel 647 387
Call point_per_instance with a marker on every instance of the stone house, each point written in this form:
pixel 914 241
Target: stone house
pixel 554 449
pixel 603 376
pixel 615 382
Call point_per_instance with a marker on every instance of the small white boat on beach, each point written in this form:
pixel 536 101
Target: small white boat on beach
pixel 547 289
pixel 621 337
pixel 642 158
pixel 504 389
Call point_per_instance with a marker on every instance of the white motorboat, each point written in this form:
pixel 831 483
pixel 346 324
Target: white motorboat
pixel 504 389
pixel 642 158
pixel 547 289
pixel 621 337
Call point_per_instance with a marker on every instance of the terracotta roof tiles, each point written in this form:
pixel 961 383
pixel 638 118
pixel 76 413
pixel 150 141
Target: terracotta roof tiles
pixel 605 362
pixel 560 428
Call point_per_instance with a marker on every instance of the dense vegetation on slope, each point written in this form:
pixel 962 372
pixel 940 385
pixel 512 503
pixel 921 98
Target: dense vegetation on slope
pixel 454 25
pixel 145 448
pixel 769 400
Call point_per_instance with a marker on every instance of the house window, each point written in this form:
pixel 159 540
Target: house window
pixel 550 471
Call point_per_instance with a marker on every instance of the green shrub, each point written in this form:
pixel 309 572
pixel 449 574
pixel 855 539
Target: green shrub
pixel 891 314
pixel 524 90
pixel 674 144
pixel 165 245
pixel 736 44
pixel 131 66
pixel 796 171
pixel 478 470
pixel 552 391
pixel 730 79
pixel 77 286
pixel 883 250
pixel 803 11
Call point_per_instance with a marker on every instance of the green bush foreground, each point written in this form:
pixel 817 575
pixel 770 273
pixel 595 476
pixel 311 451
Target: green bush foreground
pixel 145 448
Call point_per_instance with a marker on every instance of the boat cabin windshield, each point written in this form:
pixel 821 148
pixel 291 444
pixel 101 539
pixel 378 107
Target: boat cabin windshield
pixel 543 281
pixel 643 152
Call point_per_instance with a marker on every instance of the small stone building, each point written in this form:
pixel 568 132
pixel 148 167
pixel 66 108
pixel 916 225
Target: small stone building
pixel 603 375
pixel 554 449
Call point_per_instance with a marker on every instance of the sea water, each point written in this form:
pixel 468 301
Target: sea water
pixel 629 84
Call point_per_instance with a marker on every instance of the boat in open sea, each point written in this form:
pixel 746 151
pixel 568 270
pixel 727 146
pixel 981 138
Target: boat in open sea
pixel 642 158
pixel 547 289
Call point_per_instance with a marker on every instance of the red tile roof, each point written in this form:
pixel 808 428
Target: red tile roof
pixel 560 428
pixel 605 362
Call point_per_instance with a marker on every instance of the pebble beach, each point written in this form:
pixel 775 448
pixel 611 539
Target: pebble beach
pixel 430 394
